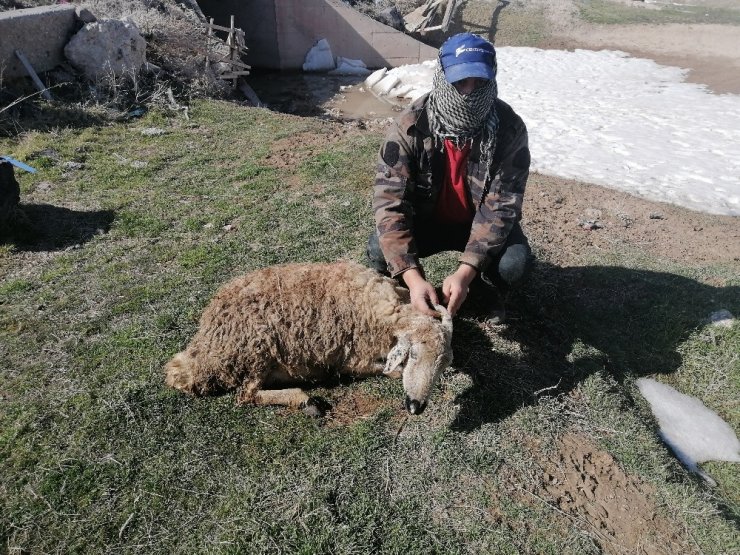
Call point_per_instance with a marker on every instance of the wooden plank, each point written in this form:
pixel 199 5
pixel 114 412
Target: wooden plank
pixel 421 16
pixel 34 76
pixel 239 63
pixel 221 28
pixel 448 14
pixel 233 74
pixel 250 94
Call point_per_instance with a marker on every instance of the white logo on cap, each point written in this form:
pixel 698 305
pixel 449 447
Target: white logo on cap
pixel 463 49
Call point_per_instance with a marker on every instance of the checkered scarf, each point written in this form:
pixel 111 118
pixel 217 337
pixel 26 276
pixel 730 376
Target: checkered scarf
pixel 464 118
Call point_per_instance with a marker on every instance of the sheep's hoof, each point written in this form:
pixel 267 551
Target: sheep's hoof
pixel 315 407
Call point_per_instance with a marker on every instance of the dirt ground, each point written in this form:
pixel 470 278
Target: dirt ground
pixel 709 52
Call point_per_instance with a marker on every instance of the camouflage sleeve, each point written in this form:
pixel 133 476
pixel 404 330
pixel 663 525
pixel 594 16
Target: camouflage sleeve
pixel 502 207
pixel 391 204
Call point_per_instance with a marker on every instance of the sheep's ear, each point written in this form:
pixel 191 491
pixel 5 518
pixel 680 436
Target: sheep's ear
pixel 446 319
pixel 397 358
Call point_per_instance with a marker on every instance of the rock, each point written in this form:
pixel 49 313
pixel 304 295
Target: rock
pixel 84 15
pixel 391 17
pixel 320 57
pixel 152 131
pixel 44 187
pixel 375 77
pixel 348 66
pixel 107 47
pixel 315 407
pixel 722 318
pixel 592 213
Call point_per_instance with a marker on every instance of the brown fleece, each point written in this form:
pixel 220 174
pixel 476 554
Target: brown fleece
pixel 299 323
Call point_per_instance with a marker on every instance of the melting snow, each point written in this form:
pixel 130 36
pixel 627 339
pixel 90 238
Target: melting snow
pixel 694 433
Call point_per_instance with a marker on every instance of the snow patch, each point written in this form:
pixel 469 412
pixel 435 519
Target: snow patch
pixel 695 433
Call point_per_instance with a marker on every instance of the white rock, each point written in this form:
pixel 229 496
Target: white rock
pixel 386 84
pixel 400 91
pixel 722 318
pixel 320 57
pixel 347 66
pixel 152 131
pixel 105 47
pixel 375 77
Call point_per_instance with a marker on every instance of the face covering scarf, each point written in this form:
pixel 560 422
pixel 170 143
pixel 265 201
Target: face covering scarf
pixel 462 118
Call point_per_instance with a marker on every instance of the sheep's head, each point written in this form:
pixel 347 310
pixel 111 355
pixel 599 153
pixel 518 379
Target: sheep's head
pixel 419 356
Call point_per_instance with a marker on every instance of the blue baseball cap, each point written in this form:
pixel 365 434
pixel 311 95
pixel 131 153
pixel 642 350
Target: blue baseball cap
pixel 467 55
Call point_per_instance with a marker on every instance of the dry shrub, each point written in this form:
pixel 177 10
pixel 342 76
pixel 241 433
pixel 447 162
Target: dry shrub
pixel 373 8
pixel 176 41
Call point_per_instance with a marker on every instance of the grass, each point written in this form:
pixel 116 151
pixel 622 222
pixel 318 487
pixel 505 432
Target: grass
pixel 609 13
pixel 96 455
pixel 510 25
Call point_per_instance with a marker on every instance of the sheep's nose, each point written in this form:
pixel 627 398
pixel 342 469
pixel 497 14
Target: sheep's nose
pixel 415 407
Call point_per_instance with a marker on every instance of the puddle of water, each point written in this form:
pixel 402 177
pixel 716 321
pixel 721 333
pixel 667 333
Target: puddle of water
pixel 313 94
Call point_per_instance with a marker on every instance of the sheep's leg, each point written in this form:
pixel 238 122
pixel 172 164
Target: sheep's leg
pixel 248 390
pixel 252 392
pixel 291 397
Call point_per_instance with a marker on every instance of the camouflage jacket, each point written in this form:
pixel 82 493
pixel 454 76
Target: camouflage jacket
pixel 410 176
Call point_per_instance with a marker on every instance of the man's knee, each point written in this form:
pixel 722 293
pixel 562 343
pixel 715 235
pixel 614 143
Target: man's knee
pixel 514 263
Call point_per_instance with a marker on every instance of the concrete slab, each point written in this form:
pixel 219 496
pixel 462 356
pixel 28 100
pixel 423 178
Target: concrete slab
pixel 40 33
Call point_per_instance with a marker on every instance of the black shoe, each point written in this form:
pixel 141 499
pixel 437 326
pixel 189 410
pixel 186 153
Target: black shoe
pixel 488 302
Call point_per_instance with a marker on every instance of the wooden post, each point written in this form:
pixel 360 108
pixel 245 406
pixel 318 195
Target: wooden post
pixel 209 34
pixel 233 47
pixel 34 76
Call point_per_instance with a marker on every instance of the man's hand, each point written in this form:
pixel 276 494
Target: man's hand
pixel 423 295
pixel 455 287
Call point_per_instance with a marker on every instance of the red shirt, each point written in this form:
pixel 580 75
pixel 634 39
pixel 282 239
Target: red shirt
pixel 453 205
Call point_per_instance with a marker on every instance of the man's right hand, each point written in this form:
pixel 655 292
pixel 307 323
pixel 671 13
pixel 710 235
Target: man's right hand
pixel 423 295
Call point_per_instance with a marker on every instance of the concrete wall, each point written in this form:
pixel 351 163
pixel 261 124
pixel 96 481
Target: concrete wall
pixel 40 33
pixel 351 34
pixel 280 32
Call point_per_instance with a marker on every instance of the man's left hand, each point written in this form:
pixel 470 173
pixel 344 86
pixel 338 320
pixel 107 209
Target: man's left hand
pixel 455 287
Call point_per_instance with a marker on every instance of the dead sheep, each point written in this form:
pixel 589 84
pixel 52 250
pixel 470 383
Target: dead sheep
pixel 304 323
